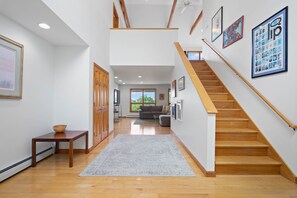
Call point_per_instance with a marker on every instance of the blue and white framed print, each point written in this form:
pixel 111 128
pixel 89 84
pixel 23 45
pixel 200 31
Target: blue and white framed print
pixel 270 45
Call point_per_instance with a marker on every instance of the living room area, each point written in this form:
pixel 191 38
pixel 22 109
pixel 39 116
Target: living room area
pixel 145 104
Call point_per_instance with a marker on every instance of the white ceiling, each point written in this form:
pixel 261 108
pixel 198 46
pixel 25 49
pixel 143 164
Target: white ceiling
pixel 150 74
pixel 29 13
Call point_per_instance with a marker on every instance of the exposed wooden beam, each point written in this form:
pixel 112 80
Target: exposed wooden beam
pixel 125 13
pixel 172 12
pixel 196 22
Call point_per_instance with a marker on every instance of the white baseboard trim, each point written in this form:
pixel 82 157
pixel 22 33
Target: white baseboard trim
pixel 19 166
pixel 132 116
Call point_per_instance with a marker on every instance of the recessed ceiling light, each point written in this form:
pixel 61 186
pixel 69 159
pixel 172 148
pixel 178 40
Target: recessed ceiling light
pixel 115 77
pixel 44 26
pixel 201 30
pixel 139 76
pixel 124 83
pixel 120 80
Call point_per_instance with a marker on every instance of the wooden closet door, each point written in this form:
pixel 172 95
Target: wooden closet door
pixel 100 105
pixel 105 106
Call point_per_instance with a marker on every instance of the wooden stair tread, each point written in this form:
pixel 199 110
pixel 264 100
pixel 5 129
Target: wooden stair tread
pixel 231 119
pixel 245 160
pixel 218 93
pixel 223 100
pixel 251 144
pixel 219 109
pixel 236 130
pixel 204 80
pixel 214 86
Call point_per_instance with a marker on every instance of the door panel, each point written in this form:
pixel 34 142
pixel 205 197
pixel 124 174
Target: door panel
pixel 100 105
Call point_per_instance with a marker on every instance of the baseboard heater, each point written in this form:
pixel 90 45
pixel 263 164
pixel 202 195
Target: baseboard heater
pixel 23 164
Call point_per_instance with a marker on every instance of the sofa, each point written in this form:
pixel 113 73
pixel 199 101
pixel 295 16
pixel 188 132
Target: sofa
pixel 148 112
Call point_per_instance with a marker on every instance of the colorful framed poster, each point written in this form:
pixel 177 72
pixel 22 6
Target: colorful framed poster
pixel 217 24
pixel 233 33
pixel 270 45
pixel 11 68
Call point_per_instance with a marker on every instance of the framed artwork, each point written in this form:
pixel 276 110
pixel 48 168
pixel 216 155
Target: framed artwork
pixel 11 68
pixel 161 96
pixel 169 96
pixel 217 25
pixel 181 83
pixel 173 111
pixel 233 33
pixel 270 45
pixel 173 89
pixel 179 110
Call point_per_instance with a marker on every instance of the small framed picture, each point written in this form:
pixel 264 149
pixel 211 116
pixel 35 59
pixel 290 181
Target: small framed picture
pixel 173 89
pixel 173 111
pixel 181 83
pixel 217 25
pixel 161 96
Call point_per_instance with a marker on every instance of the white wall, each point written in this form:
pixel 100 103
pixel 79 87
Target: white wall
pixel 142 47
pixel 71 89
pixel 148 15
pixel 22 120
pixel 197 129
pixel 125 96
pixel 157 16
pixel 91 20
pixel 184 22
pixel 276 88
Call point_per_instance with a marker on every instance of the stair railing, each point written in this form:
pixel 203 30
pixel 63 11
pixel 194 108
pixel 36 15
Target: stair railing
pixel 207 102
pixel 251 86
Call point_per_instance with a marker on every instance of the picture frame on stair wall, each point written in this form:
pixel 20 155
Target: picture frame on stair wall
pixel 233 33
pixel 270 45
pixel 173 89
pixel 217 25
pixel 181 83
pixel 173 111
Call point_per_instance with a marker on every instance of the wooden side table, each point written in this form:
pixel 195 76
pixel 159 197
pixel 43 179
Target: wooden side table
pixel 67 136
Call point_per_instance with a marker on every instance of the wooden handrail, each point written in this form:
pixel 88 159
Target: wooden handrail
pixel 294 126
pixel 207 102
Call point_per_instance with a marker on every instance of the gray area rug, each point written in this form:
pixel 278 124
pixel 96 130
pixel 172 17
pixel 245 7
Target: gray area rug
pixel 144 121
pixel 140 155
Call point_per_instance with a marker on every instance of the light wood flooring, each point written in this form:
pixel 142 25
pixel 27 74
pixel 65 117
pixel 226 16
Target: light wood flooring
pixel 53 178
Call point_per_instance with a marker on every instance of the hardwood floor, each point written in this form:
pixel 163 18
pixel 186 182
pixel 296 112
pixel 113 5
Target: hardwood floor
pixel 53 178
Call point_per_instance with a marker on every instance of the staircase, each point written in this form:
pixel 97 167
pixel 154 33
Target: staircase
pixel 239 149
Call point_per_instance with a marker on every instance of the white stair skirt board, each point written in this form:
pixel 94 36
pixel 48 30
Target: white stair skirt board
pixel 24 164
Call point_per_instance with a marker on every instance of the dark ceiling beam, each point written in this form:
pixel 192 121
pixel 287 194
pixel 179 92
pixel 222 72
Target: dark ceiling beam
pixel 171 13
pixel 196 22
pixel 125 13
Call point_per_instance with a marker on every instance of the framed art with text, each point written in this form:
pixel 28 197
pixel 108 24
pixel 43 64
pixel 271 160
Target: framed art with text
pixel 233 33
pixel 217 25
pixel 270 45
pixel 11 68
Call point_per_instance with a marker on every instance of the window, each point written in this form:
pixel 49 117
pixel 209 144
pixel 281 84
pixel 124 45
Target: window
pixel 142 97
pixel 194 55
